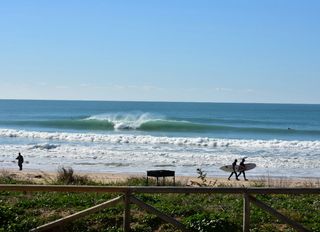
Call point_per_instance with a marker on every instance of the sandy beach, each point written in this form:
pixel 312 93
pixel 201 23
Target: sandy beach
pixel 43 177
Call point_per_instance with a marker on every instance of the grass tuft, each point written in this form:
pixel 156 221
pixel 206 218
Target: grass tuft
pixel 66 176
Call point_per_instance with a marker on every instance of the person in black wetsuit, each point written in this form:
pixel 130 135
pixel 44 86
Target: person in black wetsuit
pixel 242 168
pixel 234 169
pixel 20 161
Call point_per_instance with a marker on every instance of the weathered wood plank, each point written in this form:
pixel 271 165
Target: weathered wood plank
pixel 78 215
pixel 278 215
pixel 126 213
pixel 62 188
pixel 156 189
pixel 231 190
pixel 161 215
pixel 246 212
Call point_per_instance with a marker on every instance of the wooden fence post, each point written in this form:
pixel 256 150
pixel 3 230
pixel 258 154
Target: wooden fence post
pixel 246 212
pixel 161 215
pixel 126 213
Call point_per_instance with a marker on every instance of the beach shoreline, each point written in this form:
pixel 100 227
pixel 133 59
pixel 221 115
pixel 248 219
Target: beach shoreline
pixel 129 137
pixel 47 177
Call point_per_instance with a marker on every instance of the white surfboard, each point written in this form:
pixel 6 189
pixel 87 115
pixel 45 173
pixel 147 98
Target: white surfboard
pixel 228 168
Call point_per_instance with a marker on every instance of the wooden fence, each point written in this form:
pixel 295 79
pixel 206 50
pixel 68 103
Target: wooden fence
pixel 128 197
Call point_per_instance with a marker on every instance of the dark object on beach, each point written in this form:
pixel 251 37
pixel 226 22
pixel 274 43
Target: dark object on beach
pixel 161 173
pixel 20 161
pixel 234 164
pixel 242 168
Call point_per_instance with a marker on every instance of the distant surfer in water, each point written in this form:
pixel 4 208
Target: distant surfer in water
pixel 242 168
pixel 20 161
pixel 234 164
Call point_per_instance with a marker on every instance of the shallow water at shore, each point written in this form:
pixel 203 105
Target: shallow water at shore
pixel 128 153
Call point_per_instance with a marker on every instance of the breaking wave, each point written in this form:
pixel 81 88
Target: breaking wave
pixel 123 121
pixel 157 140
pixel 152 122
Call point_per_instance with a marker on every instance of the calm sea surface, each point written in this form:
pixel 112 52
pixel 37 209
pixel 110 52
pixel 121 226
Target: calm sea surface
pixel 96 136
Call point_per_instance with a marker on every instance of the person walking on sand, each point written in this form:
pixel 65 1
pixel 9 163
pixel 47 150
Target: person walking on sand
pixel 234 164
pixel 20 161
pixel 242 168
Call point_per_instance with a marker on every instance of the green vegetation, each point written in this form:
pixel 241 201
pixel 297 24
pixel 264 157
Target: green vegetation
pixel 67 176
pixel 199 212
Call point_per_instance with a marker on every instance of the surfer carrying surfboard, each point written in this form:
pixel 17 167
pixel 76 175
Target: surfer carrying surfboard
pixel 242 168
pixel 234 168
pixel 234 165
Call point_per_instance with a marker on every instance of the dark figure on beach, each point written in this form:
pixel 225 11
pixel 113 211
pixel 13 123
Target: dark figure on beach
pixel 242 168
pixel 234 169
pixel 20 161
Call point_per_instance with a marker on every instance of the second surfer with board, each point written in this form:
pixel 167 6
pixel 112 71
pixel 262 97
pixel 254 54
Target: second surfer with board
pixel 242 168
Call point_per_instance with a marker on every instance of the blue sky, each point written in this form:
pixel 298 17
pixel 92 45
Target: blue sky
pixel 170 50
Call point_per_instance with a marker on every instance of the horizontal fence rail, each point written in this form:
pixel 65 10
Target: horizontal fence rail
pixel 128 198
pixel 158 189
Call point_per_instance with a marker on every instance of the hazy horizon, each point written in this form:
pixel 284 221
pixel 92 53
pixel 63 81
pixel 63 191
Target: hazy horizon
pixel 159 101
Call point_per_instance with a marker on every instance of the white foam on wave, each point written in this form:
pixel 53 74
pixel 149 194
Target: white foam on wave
pixel 156 140
pixel 126 120
pixel 100 157
pixel 135 153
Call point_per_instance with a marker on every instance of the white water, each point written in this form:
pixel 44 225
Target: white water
pixel 138 153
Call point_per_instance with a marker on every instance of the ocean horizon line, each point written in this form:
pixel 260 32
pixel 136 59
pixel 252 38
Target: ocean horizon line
pixel 156 101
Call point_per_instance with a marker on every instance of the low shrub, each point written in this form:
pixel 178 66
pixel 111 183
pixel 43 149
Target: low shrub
pixel 206 223
pixel 66 176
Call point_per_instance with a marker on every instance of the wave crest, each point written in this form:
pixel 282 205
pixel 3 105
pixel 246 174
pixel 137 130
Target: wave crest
pixel 126 121
pixel 154 140
pixel 142 121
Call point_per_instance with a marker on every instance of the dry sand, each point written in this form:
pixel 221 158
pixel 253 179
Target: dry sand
pixel 42 177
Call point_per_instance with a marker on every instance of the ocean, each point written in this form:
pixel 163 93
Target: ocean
pixel 283 140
